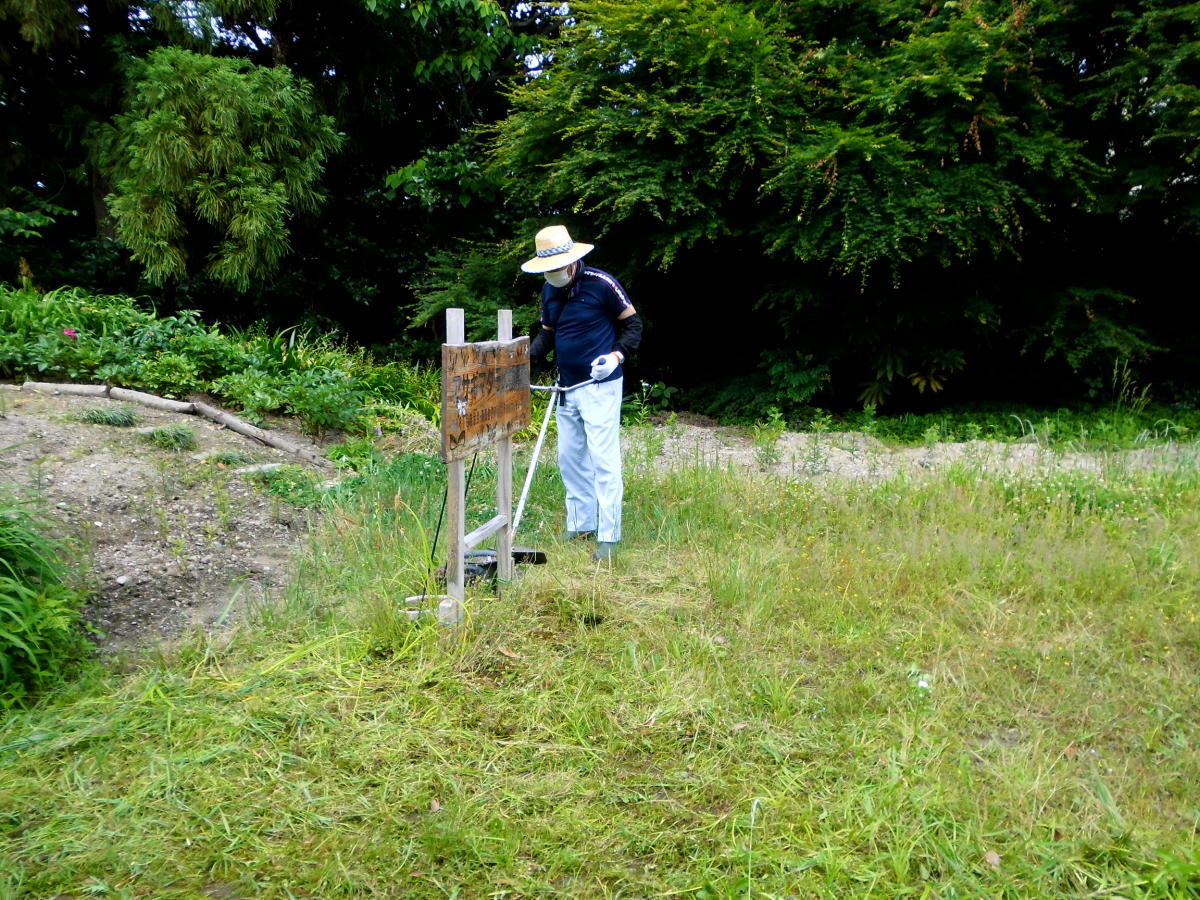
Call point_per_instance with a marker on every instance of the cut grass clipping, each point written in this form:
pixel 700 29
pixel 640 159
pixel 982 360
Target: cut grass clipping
pixel 230 458
pixel 113 416
pixel 172 437
pixel 968 685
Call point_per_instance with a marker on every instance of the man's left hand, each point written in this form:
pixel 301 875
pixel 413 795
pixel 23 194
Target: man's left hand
pixel 603 366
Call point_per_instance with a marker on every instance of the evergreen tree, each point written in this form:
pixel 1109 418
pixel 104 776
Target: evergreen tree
pixel 211 159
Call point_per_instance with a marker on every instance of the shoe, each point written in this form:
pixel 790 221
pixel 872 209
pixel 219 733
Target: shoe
pixel 605 550
pixel 579 535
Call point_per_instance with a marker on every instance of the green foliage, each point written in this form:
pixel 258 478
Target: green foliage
pixel 40 634
pixel 253 390
pixel 655 112
pixel 293 484
pixel 323 399
pixel 29 221
pixel 455 176
pixel 472 37
pixel 212 144
pixel 479 279
pixel 879 142
pixel 320 378
pixel 891 182
pixel 42 22
pixel 648 400
pixel 765 436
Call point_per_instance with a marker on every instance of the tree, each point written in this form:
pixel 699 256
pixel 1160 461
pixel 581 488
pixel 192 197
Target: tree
pixel 213 156
pixel 892 182
pixel 398 79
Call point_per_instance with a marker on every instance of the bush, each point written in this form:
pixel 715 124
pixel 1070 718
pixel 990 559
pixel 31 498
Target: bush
pixel 324 399
pixel 40 635
pixel 255 391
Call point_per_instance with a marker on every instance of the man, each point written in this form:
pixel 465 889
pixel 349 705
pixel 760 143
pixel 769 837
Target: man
pixel 590 324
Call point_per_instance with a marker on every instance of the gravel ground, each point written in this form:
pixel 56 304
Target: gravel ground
pixel 857 456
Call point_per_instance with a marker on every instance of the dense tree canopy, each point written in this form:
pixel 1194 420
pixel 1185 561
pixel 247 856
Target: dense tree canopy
pixel 829 201
pixel 908 189
pixel 218 145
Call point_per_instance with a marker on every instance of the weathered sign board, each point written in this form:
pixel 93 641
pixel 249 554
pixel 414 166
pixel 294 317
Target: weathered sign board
pixel 485 395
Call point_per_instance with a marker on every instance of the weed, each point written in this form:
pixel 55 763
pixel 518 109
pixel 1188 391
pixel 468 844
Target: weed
pixel 230 458
pixel 39 606
pixel 649 400
pixel 113 416
pixel 1124 387
pixel 766 436
pixel 323 399
pixel 173 437
pixel 293 484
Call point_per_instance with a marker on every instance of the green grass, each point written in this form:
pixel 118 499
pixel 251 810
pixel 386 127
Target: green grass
pixel 961 687
pixel 1096 428
pixel 230 458
pixel 173 437
pixel 112 416
pixel 40 596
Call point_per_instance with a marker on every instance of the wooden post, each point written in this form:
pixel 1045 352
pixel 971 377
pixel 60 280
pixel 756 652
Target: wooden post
pixel 456 498
pixel 485 400
pixel 504 560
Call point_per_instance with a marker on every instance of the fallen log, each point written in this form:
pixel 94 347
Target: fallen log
pixel 233 423
pixel 151 400
pixel 81 390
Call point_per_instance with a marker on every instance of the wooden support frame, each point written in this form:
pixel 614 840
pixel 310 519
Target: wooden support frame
pixel 511 372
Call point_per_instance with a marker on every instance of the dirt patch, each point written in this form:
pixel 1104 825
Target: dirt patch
pixel 178 540
pixel 857 456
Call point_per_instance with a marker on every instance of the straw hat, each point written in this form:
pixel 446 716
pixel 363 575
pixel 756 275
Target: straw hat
pixel 555 250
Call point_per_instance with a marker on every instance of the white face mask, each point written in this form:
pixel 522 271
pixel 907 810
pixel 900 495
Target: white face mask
pixel 560 278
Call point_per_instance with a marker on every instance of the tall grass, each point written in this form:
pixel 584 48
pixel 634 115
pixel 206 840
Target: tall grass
pixel 40 632
pixel 968 686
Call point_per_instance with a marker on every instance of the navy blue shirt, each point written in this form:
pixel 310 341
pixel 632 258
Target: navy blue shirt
pixel 584 318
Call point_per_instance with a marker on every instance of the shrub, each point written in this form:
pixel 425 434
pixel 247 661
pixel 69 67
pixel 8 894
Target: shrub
pixel 255 391
pixel 324 399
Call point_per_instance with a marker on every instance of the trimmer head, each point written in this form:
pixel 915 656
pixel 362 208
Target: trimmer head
pixel 483 565
pixel 527 556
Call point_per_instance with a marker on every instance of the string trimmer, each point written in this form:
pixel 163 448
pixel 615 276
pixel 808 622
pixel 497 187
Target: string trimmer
pixel 482 565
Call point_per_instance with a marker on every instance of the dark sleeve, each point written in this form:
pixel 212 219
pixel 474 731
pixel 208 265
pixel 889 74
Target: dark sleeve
pixel 542 343
pixel 629 334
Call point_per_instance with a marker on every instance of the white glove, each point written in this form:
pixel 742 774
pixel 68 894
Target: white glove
pixel 603 366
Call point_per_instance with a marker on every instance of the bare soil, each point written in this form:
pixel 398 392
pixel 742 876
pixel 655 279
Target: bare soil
pixel 176 540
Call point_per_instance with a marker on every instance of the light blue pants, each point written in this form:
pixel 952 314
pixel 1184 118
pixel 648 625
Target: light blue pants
pixel 589 458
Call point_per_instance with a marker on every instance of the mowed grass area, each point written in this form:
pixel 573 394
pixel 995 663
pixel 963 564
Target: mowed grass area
pixel 965 686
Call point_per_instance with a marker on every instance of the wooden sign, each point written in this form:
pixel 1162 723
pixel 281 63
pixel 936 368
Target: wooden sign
pixel 485 394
